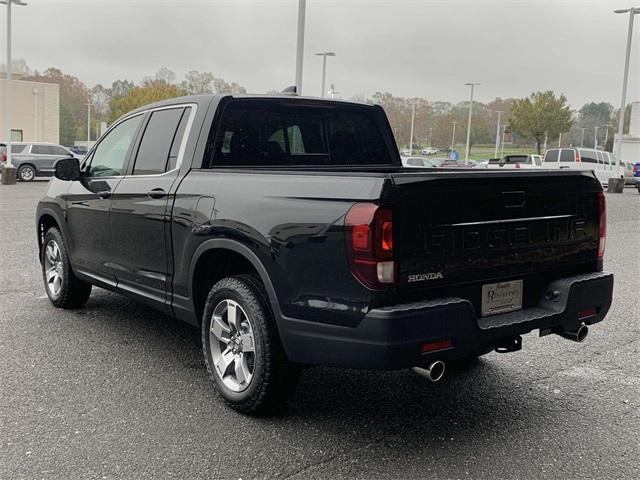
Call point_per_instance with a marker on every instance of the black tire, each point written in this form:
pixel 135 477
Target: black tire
pixel 72 292
pixel 273 377
pixel 26 173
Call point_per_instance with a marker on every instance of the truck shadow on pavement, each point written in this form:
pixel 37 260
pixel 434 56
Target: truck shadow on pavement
pixel 487 396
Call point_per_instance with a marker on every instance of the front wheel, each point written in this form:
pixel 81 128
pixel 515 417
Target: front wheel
pixel 62 287
pixel 242 350
pixel 26 173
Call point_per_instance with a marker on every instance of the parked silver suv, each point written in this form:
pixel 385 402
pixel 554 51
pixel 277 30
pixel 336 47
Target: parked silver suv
pixel 36 159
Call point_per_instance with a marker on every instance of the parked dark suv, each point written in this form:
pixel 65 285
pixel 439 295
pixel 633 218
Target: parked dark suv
pixel 288 230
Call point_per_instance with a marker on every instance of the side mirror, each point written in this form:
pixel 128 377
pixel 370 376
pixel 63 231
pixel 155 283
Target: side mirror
pixel 67 169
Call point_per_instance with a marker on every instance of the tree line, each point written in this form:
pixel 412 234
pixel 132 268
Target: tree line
pixel 543 118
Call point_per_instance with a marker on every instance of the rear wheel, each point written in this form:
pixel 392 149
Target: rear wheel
pixel 26 173
pixel 242 350
pixel 62 287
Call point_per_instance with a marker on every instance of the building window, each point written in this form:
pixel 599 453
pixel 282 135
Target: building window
pixel 16 135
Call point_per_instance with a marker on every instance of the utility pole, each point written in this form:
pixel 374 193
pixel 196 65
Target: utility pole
pixel 453 135
pixel 466 153
pixel 88 123
pixel 595 138
pixel 495 155
pixel 618 148
pixel 302 6
pixel 8 99
pixel 582 137
pixel 413 118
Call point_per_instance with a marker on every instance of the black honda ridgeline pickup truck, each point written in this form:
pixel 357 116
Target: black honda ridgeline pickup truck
pixel 287 228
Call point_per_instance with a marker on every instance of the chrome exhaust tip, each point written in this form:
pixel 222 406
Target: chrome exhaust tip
pixel 579 335
pixel 433 372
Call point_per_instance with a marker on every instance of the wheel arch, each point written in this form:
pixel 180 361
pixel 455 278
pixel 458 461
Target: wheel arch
pixel 47 218
pixel 231 251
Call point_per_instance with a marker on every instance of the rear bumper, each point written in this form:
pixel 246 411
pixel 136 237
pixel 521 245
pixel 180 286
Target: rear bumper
pixel 392 337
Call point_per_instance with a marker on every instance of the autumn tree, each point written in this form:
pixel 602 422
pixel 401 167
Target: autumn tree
pixel 542 114
pixel 73 96
pixel 149 92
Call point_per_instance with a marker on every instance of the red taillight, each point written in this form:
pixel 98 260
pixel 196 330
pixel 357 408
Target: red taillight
pixel 602 226
pixel 436 346
pixel 517 165
pixel 578 157
pixel 369 244
pixel 588 313
pixel 635 169
pixel 4 156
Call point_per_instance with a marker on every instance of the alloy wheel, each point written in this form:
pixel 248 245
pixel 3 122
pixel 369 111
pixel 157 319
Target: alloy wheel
pixel 27 174
pixel 53 268
pixel 232 345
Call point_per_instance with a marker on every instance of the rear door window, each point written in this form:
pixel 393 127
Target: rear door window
pixel 156 147
pixel 567 156
pixel 588 156
pixel 17 148
pixel 276 133
pixel 551 156
pixel 605 159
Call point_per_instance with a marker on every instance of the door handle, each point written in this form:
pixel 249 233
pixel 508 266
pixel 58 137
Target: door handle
pixel 157 193
pixel 104 193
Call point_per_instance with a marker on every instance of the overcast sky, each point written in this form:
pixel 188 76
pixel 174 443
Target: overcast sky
pixel 410 48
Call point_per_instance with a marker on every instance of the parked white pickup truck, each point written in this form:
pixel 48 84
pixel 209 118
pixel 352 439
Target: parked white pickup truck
pixel 516 161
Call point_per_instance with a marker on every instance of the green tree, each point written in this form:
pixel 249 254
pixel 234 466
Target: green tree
pixel 67 126
pixel 149 92
pixel 541 114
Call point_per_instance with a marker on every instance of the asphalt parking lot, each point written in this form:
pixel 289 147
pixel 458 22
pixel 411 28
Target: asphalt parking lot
pixel 116 390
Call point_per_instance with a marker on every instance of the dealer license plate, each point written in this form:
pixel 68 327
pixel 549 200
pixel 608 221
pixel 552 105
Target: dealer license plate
pixel 501 297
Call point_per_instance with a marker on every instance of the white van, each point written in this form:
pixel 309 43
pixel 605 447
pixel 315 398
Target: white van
pixel 602 163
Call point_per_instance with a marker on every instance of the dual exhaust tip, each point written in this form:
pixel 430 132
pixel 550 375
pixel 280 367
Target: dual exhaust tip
pixel 433 372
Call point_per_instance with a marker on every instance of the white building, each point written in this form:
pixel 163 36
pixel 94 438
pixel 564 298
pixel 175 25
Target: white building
pixel 35 111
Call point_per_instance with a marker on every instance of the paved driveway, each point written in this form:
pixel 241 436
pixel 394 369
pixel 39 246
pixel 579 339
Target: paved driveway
pixel 116 390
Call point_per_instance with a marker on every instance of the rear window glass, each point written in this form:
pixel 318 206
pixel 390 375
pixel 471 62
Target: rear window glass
pixel 551 156
pixel 516 159
pixel 567 156
pixel 275 133
pixel 588 156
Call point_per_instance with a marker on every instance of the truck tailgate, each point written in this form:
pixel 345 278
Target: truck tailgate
pixel 468 227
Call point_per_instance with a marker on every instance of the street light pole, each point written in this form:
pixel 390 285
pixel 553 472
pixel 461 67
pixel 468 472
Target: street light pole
pixel 618 149
pixel 88 122
pixel 324 56
pixel 8 100
pixel 302 6
pixel 582 137
pixel 606 134
pixel 504 130
pixel 495 155
pixel 595 138
pixel 466 153
pixel 453 135
pixel 413 118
